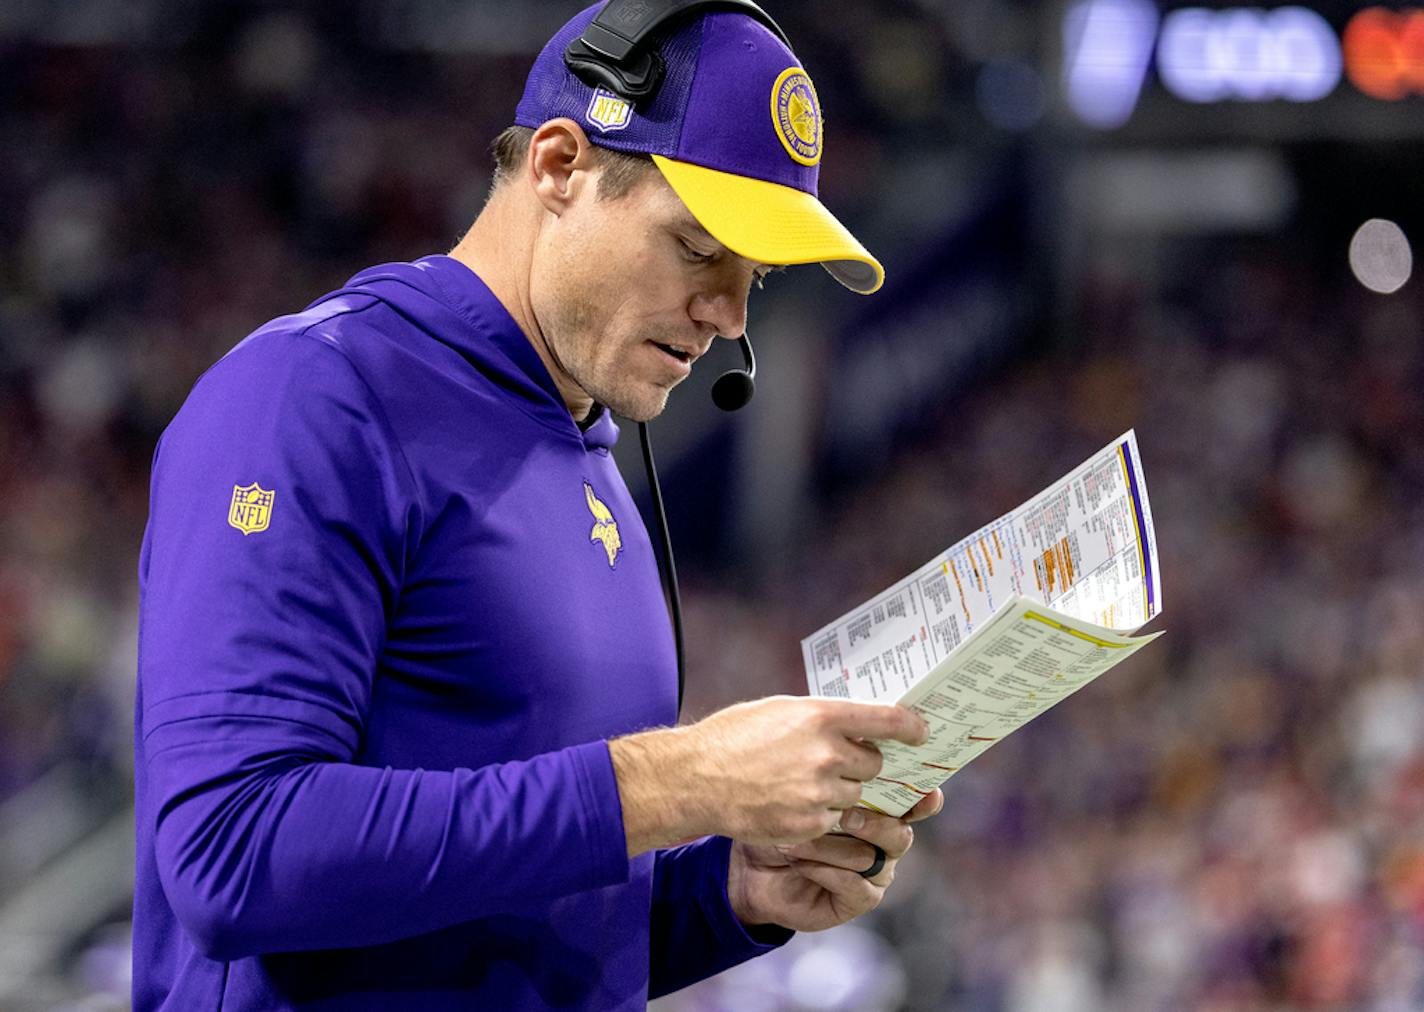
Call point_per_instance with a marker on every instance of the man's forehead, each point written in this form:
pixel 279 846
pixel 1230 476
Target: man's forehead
pixel 685 220
pixel 677 212
pixel 677 215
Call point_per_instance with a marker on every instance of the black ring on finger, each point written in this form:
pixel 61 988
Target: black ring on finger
pixel 875 868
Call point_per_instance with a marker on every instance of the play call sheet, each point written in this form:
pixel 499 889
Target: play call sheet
pixel 998 628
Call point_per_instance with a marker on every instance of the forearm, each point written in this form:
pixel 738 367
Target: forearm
pixel 660 806
pixel 292 855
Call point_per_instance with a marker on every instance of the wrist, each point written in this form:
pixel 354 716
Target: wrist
pixel 652 769
pixel 737 897
pixel 760 925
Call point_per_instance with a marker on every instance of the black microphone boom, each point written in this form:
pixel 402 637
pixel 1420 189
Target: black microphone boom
pixel 734 388
pixel 731 392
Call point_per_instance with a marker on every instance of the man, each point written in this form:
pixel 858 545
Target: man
pixel 405 668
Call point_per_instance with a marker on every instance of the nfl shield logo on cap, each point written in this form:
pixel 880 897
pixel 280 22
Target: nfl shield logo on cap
pixel 608 111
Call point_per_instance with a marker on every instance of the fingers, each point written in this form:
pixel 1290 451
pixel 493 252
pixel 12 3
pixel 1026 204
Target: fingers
pixel 889 834
pixel 852 893
pixel 853 854
pixel 836 850
pixel 872 720
pixel 931 804
pixel 845 852
pixel 844 794
pixel 861 761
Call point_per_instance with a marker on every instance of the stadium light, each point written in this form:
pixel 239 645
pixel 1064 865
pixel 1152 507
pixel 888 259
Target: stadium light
pixel 1107 48
pixel 1248 55
pixel 1384 52
pixel 1380 257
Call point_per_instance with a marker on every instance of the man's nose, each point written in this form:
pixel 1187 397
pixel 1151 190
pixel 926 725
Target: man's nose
pixel 723 308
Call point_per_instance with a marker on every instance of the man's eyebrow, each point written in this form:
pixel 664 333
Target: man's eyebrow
pixel 694 226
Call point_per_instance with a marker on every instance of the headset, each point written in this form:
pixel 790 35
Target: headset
pixel 619 51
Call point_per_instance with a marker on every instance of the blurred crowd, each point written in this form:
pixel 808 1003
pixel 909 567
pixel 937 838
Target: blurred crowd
pixel 162 209
pixel 1232 820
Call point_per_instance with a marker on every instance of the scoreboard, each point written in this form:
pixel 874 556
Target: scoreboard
pixel 1121 58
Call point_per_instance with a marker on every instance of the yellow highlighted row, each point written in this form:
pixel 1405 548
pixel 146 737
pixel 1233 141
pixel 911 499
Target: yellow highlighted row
pixel 1073 632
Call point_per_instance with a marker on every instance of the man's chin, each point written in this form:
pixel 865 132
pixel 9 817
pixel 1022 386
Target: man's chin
pixel 640 413
pixel 640 406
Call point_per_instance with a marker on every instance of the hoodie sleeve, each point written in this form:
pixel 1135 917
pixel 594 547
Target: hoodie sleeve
pixel 695 934
pixel 281 518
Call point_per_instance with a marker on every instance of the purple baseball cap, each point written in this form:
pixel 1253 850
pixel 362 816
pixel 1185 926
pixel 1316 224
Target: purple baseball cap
pixel 735 128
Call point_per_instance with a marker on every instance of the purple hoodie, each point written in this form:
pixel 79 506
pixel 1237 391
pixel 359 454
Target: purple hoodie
pixel 394 602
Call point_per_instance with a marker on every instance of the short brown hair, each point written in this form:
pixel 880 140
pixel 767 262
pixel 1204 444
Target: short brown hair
pixel 619 171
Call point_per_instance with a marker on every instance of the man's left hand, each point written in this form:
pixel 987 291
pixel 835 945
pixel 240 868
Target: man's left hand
pixel 817 884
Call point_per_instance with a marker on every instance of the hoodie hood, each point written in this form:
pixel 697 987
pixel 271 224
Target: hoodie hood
pixel 454 305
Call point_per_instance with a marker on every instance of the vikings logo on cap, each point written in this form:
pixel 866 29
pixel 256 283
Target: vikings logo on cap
pixel 796 114
pixel 608 111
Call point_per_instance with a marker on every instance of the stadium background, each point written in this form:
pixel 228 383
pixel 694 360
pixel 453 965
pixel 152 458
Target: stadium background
pixel 1080 236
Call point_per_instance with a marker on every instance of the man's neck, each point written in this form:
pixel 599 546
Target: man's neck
pixel 499 248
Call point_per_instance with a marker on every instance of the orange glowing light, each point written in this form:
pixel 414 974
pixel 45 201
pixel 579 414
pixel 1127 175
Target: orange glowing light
pixel 1384 52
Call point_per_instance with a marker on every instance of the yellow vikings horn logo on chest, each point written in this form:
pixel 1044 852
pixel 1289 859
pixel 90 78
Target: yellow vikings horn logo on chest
pixel 605 528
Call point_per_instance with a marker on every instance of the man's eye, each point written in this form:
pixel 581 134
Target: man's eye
pixel 693 256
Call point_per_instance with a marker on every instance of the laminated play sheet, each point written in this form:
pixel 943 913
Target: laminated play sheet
pixel 1002 625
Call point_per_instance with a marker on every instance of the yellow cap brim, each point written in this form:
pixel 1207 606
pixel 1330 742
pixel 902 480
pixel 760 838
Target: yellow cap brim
pixel 771 223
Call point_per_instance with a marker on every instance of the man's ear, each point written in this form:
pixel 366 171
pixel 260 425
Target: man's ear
pixel 559 164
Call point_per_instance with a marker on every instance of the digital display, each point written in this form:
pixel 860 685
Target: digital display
pixel 1207 55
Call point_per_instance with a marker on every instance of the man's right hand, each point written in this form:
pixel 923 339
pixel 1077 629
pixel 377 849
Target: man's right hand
pixel 772 771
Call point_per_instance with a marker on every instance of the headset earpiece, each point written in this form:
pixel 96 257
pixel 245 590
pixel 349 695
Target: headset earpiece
pixel 634 82
pixel 616 52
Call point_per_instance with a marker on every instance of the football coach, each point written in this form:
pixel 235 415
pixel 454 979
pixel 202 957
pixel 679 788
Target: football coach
pixel 403 728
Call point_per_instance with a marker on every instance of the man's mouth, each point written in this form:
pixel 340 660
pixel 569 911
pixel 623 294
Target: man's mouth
pixel 677 353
